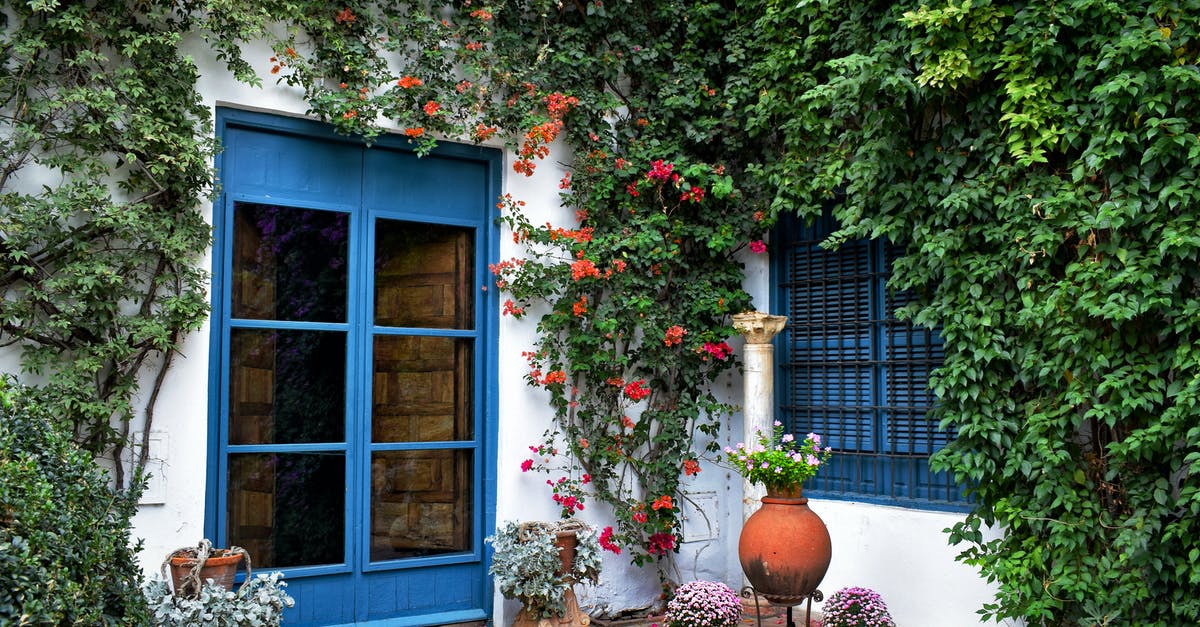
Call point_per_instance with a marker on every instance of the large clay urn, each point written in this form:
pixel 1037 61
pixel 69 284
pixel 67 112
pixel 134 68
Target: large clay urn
pixel 784 548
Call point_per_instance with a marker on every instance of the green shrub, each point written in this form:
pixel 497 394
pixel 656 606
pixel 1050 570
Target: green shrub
pixel 65 555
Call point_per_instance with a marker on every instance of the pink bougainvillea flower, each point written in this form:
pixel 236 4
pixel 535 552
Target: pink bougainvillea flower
pixel 606 541
pixel 757 246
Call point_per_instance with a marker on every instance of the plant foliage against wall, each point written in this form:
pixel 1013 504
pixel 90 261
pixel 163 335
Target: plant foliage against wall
pixel 104 160
pixel 1037 162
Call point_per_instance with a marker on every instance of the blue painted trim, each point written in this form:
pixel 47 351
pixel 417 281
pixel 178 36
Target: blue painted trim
pixel 424 620
pixel 464 333
pixel 283 449
pixel 424 218
pixel 440 445
pixel 298 202
pixel 287 325
pixel 464 557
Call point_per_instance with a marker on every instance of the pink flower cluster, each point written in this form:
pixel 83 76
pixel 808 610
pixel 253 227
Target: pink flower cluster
pixel 719 350
pixel 660 171
pixel 606 541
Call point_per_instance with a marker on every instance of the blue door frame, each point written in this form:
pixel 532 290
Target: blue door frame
pixel 291 162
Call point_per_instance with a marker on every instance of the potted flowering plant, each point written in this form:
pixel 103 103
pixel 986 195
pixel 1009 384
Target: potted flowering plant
pixel 784 547
pixel 704 604
pixel 856 607
pixel 778 461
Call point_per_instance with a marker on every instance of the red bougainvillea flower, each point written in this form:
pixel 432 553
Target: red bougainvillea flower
pixel 345 16
pixel 510 308
pixel 660 543
pixel 695 194
pixel 580 307
pixel 432 107
pixel 606 541
pixel 758 247
pixel 632 189
pixel 639 517
pixel 691 467
pixel 635 391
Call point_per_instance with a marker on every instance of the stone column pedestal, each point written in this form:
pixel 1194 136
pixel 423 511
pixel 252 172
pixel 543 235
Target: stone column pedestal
pixel 758 408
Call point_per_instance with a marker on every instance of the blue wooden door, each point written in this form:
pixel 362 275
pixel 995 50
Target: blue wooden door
pixel 352 414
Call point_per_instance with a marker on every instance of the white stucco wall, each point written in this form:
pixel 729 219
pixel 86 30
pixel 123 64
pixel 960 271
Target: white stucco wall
pixel 901 553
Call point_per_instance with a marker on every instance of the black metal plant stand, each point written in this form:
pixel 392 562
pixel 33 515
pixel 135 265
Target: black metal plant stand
pixel 748 592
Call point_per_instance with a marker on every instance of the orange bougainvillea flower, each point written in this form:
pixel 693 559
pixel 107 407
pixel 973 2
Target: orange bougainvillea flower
pixel 408 82
pixel 431 107
pixel 414 132
pixel 345 16
pixel 662 502
pixel 691 467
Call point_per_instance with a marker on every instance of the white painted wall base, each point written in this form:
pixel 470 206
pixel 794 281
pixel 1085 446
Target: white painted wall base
pixel 904 556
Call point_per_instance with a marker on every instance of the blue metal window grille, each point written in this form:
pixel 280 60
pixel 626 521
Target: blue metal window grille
pixel 851 372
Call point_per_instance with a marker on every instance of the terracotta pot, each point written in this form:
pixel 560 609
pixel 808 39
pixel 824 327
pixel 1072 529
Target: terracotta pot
pixel 784 548
pixel 221 567
pixel 566 541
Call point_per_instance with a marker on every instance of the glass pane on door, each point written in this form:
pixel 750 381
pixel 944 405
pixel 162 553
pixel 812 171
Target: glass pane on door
pixel 286 387
pixel 421 389
pixel 420 503
pixel 424 274
pixel 289 264
pixel 287 509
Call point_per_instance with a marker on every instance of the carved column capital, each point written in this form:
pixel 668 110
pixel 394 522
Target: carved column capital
pixel 758 327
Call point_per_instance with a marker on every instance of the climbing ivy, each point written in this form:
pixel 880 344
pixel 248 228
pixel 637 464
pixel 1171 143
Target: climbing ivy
pixel 1038 163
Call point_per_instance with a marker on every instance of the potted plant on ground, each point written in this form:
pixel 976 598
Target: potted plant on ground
pixel 856 607
pixel 784 547
pixel 704 604
pixel 201 591
pixel 538 563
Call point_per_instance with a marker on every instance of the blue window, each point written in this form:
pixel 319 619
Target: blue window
pixel 352 429
pixel 853 373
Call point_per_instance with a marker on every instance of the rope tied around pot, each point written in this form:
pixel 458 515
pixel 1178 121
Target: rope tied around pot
pixel 190 586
